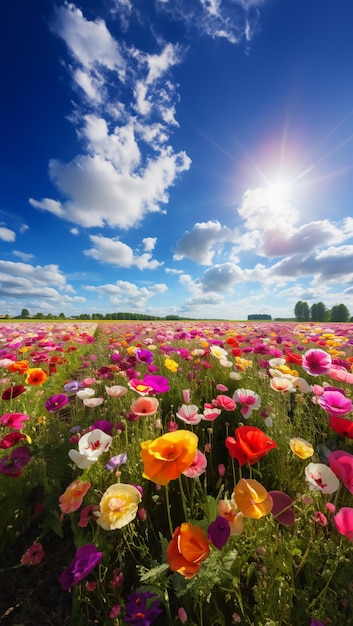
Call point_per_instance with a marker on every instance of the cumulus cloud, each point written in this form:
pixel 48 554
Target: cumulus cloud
pixel 6 234
pixel 201 242
pixel 219 278
pixel 309 237
pixel 46 282
pixel 115 181
pixel 115 252
pixel 128 296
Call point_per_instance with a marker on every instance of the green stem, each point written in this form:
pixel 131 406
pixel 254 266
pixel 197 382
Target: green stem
pixel 183 498
pixel 168 510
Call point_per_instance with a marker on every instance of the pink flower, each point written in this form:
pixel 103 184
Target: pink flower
pixel 225 402
pixel 317 362
pixel 87 514
pixel 344 522
pixel 341 463
pixel 210 414
pixel 144 406
pixel 13 420
pixel 335 403
pixel 114 611
pixel 249 400
pixel 186 396
pixel 33 555
pixel 116 391
pixel 320 518
pixel 198 465
pixel 189 414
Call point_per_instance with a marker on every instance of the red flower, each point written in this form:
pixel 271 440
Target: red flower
pixel 292 357
pixel 13 392
pixel 249 445
pixel 11 440
pixel 342 426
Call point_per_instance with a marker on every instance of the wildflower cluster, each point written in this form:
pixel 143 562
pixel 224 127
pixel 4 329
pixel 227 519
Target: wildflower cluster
pixel 205 471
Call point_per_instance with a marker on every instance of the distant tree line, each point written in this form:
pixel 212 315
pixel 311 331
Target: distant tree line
pixel 121 315
pixel 259 316
pixel 318 312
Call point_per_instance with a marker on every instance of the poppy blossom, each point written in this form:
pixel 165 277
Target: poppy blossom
pixel 316 362
pixel 35 376
pixel 72 497
pixel 321 478
pixel 13 392
pixel 249 400
pixel 198 466
pixel 301 448
pixel 33 555
pixel 189 413
pixel 144 406
pixel 342 426
pixel 282 509
pixel 56 402
pixel 11 439
pixel 219 531
pixel 249 445
pixel 344 522
pixel 168 456
pixel 85 560
pixel 118 506
pixel 13 420
pixel 90 447
pixel 142 608
pixel 227 508
pixel 188 548
pixel 341 463
pixel 252 498
pixel 334 402
pixel 12 464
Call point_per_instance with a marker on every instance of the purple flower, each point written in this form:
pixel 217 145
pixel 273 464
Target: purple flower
pixel 73 386
pixel 104 425
pixel 12 464
pixel 115 462
pixel 219 531
pixel 56 402
pixel 145 356
pixel 159 384
pixel 86 558
pixel 142 608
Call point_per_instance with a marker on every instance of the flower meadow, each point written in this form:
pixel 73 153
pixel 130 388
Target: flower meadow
pixel 202 471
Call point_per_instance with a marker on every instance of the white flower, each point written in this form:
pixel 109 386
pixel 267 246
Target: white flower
pixel 90 447
pixel 321 478
pixel 87 392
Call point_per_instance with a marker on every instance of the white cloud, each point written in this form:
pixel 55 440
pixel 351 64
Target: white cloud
pixel 115 181
pixel 220 278
pixel 25 256
pixel 149 243
pixel 22 280
pixel 127 296
pixel 201 243
pixel 74 231
pixel 260 210
pixel 6 234
pixel 171 270
pixel 115 252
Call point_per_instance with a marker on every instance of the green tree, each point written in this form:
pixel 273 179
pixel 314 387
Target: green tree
pixel 302 311
pixel 25 313
pixel 62 316
pixel 339 313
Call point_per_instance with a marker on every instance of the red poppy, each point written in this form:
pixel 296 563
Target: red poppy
pixel 342 426
pixel 249 445
pixel 13 392
pixel 292 357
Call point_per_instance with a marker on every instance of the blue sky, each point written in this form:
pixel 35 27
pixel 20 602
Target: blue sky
pixel 189 157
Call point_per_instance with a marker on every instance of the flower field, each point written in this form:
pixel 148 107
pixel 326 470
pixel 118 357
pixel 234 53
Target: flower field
pixel 195 473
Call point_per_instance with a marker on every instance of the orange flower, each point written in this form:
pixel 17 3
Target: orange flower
pixel 18 366
pixel 252 498
pixel 72 498
pixel 188 548
pixel 35 376
pixel 168 456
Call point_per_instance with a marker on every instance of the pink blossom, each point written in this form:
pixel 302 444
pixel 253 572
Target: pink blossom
pixel 210 414
pixel 320 518
pixel 186 396
pixel 197 467
pixel 335 403
pixel 249 400
pixel 13 420
pixel 144 406
pixel 189 414
pixel 344 522
pixel 33 555
pixel 225 402
pixel 341 463
pixel 316 362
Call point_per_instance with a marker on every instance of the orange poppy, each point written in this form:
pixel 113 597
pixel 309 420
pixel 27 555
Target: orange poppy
pixel 252 498
pixel 167 457
pixel 18 366
pixel 188 548
pixel 35 376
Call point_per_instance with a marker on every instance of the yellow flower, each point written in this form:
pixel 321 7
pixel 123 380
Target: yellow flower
pixel 252 498
pixel 171 365
pixel 118 506
pixel 302 448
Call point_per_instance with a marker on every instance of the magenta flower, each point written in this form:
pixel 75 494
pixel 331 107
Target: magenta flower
pixel 145 356
pixel 13 420
pixel 218 532
pixel 317 362
pixel 11 440
pixel 85 560
pixel 12 464
pixel 158 384
pixel 335 403
pixel 341 463
pixel 344 522
pixel 225 402
pixel 56 402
